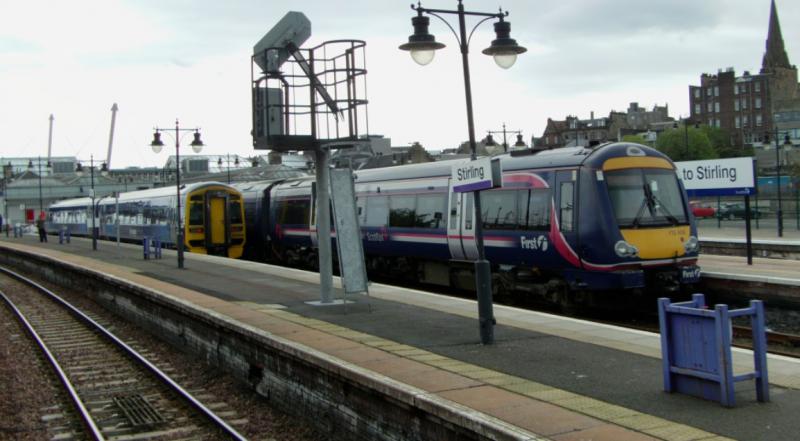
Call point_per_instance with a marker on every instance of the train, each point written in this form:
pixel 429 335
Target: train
pixel 565 223
pixel 211 218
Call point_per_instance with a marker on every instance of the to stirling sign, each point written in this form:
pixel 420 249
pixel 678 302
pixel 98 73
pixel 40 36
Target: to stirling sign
pixel 480 174
pixel 718 177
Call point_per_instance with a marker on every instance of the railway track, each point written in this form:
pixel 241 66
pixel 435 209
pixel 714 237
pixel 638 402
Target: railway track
pixel 110 389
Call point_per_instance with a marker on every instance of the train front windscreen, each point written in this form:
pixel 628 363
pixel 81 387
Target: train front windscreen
pixel 646 197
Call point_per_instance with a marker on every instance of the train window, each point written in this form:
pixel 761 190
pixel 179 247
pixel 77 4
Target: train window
pixel 361 205
pixel 401 211
pixel 467 213
pixel 499 209
pixel 196 214
pixel 235 212
pixel 645 197
pixel 294 211
pixel 566 205
pixel 454 210
pixel 377 211
pixel 430 210
pixel 534 209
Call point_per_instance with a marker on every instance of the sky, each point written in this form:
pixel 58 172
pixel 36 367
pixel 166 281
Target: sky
pixel 165 59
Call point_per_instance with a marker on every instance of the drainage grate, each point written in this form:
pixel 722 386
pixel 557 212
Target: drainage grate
pixel 138 410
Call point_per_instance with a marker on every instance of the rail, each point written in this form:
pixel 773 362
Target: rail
pixel 208 413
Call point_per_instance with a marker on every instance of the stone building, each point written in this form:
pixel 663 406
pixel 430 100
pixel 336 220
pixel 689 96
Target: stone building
pixel 640 119
pixel 573 131
pixel 744 105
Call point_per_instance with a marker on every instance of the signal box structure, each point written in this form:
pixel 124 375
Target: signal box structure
pixel 311 99
pixel 306 99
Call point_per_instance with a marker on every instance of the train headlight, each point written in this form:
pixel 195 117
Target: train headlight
pixel 692 245
pixel 624 249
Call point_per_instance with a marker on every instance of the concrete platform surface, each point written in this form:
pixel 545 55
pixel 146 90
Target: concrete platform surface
pixel 552 377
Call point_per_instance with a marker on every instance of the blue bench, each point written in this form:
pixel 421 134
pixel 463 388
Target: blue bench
pixel 696 349
pixel 151 247
pixel 64 236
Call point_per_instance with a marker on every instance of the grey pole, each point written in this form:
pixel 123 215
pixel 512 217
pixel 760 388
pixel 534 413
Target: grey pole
pixel 114 109
pixel 41 203
pixel 324 226
pixel 116 213
pixel 778 181
pixel 483 271
pixel 94 212
pixel 50 139
pixel 178 223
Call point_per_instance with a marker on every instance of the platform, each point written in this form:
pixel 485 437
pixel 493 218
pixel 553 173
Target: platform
pixel 550 377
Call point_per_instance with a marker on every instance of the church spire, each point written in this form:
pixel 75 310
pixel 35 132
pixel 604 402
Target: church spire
pixel 775 56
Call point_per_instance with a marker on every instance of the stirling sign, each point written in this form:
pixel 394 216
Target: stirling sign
pixel 480 174
pixel 718 177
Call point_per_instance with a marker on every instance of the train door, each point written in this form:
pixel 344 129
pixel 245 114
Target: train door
pixel 566 194
pixel 460 226
pixel 217 222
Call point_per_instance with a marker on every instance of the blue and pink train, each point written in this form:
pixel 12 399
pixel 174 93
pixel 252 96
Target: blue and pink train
pixel 570 220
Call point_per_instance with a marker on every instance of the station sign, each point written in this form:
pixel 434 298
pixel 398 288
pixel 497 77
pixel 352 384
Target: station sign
pixel 480 174
pixel 718 177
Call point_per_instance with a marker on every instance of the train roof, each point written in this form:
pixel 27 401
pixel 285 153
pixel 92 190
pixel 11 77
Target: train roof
pixel 564 157
pixel 140 194
pixel 547 159
pixel 255 185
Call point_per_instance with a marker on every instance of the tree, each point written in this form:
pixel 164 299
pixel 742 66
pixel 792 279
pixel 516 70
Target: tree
pixel 638 139
pixel 673 143
pixel 721 142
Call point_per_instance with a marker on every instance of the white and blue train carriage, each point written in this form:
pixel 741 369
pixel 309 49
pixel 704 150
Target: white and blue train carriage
pixel 212 217
pixel 614 217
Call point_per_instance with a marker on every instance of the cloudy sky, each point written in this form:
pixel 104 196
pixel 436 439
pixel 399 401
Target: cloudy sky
pixel 167 59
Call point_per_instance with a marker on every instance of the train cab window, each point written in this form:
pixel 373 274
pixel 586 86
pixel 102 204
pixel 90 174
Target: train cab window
pixel 534 209
pixel 499 209
pixel 649 197
pixel 402 211
pixel 196 214
pixel 377 211
pixel 430 211
pixel 235 212
pixel 566 206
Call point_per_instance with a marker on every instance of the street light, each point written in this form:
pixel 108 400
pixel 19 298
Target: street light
pixel 519 143
pixel 504 49
pixel 197 146
pixel 79 172
pixel 787 142
pixel 8 171
pixel 686 123
pixel 228 160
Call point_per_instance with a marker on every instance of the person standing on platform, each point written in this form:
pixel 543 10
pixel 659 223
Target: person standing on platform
pixel 40 227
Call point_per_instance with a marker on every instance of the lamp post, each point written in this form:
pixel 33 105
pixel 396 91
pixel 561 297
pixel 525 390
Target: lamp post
pixel 197 146
pixel 8 171
pixel 504 49
pixel 519 143
pixel 686 122
pixel 788 142
pixel 228 160
pixel 79 172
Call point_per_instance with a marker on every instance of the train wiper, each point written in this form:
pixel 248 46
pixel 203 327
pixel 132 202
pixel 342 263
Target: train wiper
pixel 646 202
pixel 660 206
